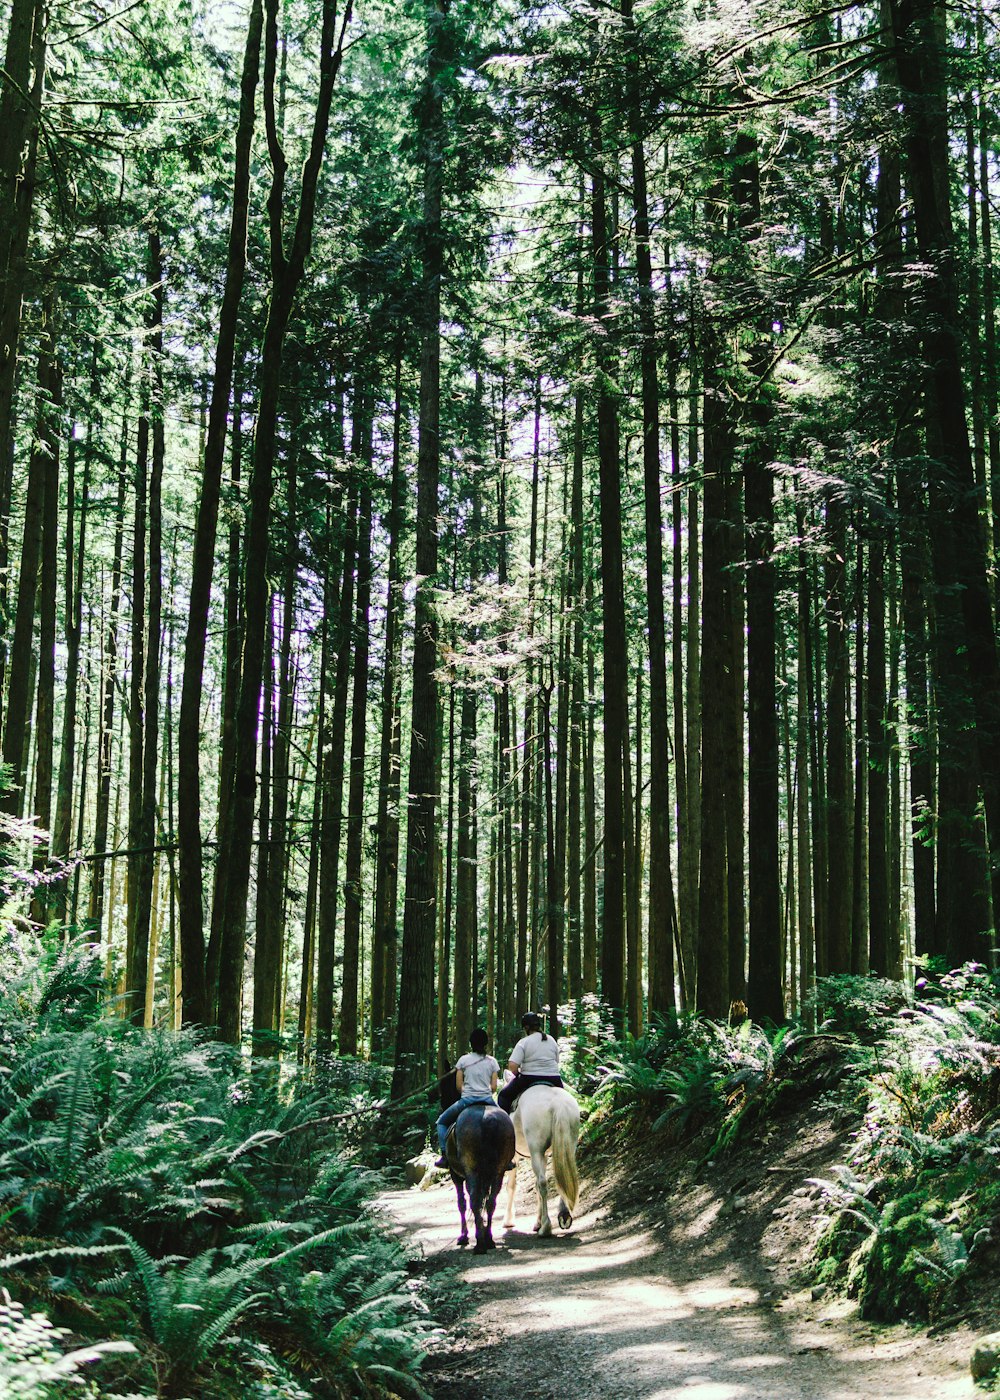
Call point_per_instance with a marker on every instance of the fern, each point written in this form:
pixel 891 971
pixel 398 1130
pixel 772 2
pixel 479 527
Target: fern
pixel 31 1359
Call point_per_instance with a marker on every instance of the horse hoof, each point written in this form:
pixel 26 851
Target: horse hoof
pixel 479 1249
pixel 536 1227
pixel 545 1232
pixel 565 1220
pixel 491 1243
pixel 462 1240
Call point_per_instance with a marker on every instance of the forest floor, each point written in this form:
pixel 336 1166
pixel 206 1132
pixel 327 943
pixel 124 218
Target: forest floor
pixel 674 1281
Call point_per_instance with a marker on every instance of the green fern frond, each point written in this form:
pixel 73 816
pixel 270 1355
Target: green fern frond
pixel 68 1251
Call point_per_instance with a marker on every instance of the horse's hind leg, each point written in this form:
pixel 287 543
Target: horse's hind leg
pixel 543 1225
pixel 460 1193
pixel 508 1219
pixel 491 1205
pixel 478 1214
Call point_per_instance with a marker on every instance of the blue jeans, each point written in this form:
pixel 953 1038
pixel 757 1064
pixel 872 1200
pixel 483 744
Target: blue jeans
pixel 451 1113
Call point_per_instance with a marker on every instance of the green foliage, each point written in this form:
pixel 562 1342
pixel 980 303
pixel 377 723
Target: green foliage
pixel 699 1074
pixel 155 1188
pixel 914 1214
pixel 33 1363
pixel 852 1005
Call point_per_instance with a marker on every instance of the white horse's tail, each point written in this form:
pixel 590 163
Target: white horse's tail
pixel 565 1128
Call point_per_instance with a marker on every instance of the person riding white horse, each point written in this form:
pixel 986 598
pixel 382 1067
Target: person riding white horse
pixel 533 1060
pixel 545 1120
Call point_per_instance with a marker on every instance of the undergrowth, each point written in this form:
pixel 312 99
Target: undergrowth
pixel 912 1220
pixel 199 1213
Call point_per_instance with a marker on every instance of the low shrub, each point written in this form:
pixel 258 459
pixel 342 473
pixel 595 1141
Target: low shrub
pixel 158 1190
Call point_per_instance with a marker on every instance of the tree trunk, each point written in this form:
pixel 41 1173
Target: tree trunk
pixel 661 959
pixel 41 909
pixel 197 992
pixel 919 30
pixel 42 463
pixel 416 1024
pixel 387 856
pixel 21 98
pixel 144 838
pixel 105 762
pixel 764 988
pixel 711 966
pixel 73 632
pixel 353 889
pixel 286 275
pixel 613 616
pixel 333 787
pixel 838 799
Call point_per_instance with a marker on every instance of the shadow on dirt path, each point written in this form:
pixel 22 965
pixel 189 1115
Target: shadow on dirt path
pixel 609 1312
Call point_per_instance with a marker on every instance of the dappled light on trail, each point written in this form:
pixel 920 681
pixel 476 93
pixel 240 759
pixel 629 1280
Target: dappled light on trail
pixel 608 1311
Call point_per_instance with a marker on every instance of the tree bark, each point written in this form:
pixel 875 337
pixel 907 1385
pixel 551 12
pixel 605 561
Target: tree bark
pixel 387 856
pixel 197 994
pixel 612 614
pixel 41 908
pixel 286 275
pixel 416 1022
pixel 353 891
pixel 41 464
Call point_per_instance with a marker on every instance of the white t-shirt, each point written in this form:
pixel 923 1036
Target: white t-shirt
pixel 477 1075
pixel 533 1055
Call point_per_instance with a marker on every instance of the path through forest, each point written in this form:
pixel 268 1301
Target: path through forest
pixel 611 1312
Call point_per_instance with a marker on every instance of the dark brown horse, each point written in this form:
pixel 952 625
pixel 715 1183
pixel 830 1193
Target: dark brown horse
pixel 479 1147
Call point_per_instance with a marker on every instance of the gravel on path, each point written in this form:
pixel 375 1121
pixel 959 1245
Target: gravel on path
pixel 608 1312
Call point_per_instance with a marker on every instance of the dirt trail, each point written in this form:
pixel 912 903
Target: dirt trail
pixel 612 1312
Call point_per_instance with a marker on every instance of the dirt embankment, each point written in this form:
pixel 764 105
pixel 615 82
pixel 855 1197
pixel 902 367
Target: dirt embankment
pixel 672 1282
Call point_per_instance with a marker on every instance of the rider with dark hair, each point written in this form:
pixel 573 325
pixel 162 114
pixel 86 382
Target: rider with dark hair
pixel 476 1081
pixel 533 1060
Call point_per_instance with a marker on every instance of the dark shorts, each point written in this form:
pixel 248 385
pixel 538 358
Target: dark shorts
pixel 510 1093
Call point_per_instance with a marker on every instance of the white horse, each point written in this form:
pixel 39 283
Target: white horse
pixel 546 1117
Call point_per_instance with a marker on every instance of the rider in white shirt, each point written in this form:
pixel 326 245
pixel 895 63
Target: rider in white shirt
pixel 476 1080
pixel 533 1060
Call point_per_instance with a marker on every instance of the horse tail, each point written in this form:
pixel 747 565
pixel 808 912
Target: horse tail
pixel 565 1127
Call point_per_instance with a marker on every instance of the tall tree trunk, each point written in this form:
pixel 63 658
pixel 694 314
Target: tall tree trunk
pixel 274 835
pixel 416 1024
pixel 690 737
pixel 231 666
pixel 73 633
pixel 105 762
pixel 21 97
pixel 879 939
pixel 142 836
pixel 919 28
pixel 312 874
pixel 353 891
pixel 838 798
pixel 197 991
pixel 764 989
pixel 529 794
pixel 661 953
pixel 577 718
pixel 612 613
pixel 333 786
pixel 43 462
pixel 711 968
pixel 41 909
pixel 859 840
pixel 387 856
pixel 287 269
